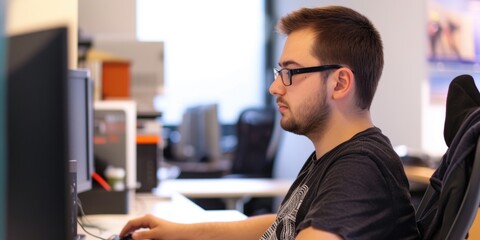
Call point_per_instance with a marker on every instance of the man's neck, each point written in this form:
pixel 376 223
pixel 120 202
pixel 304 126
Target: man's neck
pixel 339 130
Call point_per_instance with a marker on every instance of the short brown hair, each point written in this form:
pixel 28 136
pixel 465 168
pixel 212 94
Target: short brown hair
pixel 343 36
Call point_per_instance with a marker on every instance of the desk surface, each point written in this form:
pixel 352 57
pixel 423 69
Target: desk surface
pixel 167 203
pixel 252 187
pixel 224 187
pixel 419 174
pixel 176 208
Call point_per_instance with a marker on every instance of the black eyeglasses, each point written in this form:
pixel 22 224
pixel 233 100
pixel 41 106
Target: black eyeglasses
pixel 286 74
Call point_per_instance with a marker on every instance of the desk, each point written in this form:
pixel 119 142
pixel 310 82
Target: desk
pixel 419 174
pixel 233 190
pixel 176 208
pixel 422 175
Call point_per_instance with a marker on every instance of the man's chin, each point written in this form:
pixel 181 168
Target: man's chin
pixel 288 126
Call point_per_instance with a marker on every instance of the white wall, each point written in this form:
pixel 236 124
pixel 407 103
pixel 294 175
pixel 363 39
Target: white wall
pixel 108 19
pixel 401 99
pixel 31 15
pixel 195 41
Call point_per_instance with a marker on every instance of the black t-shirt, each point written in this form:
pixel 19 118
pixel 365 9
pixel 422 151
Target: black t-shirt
pixel 358 190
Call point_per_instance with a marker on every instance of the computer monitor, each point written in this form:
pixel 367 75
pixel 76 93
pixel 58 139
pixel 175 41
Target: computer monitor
pixel 38 187
pixel 199 135
pixel 80 128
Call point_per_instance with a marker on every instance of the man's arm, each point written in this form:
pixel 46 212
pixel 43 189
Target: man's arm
pixel 312 233
pixel 250 228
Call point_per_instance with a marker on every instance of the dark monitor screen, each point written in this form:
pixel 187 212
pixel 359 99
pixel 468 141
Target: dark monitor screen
pixel 38 189
pixel 81 126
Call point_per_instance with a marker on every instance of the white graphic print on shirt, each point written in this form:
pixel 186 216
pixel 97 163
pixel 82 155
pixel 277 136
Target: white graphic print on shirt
pixel 286 216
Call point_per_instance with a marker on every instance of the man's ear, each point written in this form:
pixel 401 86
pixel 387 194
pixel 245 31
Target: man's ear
pixel 344 81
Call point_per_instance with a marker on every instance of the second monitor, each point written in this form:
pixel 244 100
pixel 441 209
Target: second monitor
pixel 199 135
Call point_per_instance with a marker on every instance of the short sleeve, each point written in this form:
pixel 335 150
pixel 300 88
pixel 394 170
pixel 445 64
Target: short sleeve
pixel 350 200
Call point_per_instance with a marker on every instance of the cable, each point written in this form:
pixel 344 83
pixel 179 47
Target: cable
pixel 83 226
pixel 101 181
pixel 84 216
pixel 89 233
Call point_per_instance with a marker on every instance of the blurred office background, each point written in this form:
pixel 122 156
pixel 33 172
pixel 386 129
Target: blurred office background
pixel 221 52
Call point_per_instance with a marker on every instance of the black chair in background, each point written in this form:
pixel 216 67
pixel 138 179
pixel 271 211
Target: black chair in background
pixel 451 201
pixel 257 143
pixel 257 132
pixel 253 156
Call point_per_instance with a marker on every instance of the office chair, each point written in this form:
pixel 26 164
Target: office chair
pixel 255 151
pixel 257 142
pixel 451 201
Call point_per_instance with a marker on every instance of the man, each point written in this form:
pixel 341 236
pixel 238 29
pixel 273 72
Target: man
pixel 353 185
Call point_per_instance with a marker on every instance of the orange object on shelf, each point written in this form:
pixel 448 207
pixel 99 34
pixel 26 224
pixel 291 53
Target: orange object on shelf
pixel 148 139
pixel 111 73
pixel 115 79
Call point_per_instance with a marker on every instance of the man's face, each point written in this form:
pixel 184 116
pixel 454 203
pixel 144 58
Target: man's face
pixel 303 105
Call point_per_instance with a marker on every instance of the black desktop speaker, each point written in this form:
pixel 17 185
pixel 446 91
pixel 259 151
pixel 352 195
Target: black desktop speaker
pixel 72 166
pixel 147 165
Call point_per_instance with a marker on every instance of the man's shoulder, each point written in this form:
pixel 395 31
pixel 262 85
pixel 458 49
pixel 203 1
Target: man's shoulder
pixel 371 142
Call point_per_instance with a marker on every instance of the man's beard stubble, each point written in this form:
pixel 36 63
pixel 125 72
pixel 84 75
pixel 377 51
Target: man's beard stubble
pixel 311 118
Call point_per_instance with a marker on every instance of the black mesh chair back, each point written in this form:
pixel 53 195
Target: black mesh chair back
pixel 452 198
pixel 255 129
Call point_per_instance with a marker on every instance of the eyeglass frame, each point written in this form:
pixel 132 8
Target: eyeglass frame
pixel 291 72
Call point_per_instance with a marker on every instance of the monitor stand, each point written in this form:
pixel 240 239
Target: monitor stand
pixel 79 237
pixel 73 196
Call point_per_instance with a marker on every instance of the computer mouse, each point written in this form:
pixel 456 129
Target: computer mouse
pixel 127 237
